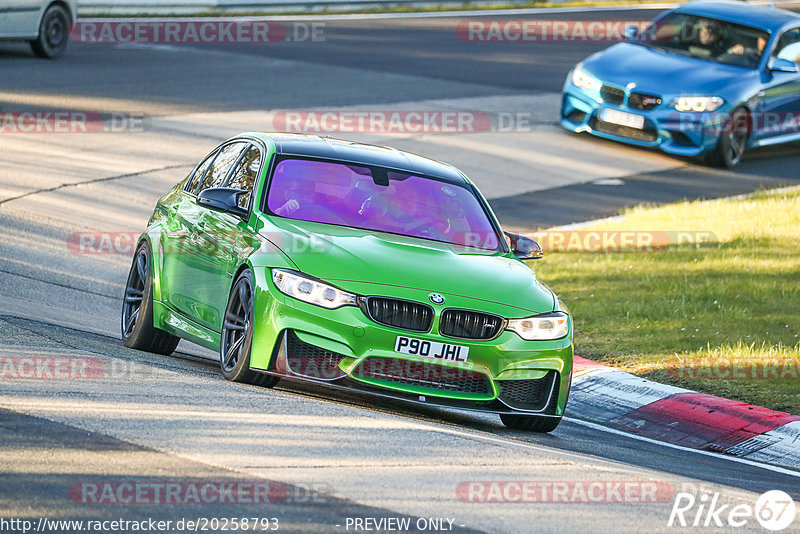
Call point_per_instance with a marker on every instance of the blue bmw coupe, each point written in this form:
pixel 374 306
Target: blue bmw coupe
pixel 708 79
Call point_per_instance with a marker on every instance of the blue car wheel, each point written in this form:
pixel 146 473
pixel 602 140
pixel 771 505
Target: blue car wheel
pixel 732 140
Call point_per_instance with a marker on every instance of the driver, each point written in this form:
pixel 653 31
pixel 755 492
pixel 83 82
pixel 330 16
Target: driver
pixel 297 194
pixel 708 34
pixel 752 54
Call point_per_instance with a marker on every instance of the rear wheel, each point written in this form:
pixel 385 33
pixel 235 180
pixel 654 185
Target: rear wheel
pixel 53 33
pixel 237 335
pixel 138 331
pixel 530 423
pixel 732 140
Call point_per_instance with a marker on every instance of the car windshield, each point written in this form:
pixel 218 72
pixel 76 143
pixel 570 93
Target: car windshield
pixel 378 199
pixel 706 38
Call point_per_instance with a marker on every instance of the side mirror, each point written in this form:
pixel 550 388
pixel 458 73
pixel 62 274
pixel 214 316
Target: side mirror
pixel 222 199
pixel 783 65
pixel 525 248
pixel 630 32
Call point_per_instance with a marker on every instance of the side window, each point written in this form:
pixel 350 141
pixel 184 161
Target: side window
pixel 221 166
pixel 789 45
pixel 191 187
pixel 245 174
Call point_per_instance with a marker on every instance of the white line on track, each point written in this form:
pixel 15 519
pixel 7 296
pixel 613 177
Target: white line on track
pixel 721 456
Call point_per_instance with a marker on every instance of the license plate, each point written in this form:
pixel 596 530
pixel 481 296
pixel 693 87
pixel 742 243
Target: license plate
pixel 623 119
pixel 431 349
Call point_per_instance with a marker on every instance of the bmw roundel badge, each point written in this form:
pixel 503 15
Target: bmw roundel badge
pixel 436 298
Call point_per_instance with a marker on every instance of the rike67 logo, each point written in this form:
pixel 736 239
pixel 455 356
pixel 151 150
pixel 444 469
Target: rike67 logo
pixel 774 510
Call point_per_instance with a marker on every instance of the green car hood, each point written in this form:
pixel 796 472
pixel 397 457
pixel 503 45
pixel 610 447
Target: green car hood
pixel 359 261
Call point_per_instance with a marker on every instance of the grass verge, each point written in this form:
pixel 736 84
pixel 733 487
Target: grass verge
pixel 719 316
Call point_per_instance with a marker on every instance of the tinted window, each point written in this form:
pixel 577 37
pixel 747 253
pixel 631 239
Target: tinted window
pixel 200 172
pixel 219 169
pixel 382 200
pixel 245 174
pixel 707 38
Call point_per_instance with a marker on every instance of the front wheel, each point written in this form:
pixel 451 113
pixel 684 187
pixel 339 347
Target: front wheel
pixel 236 340
pixel 530 423
pixel 138 331
pixel 732 140
pixel 53 33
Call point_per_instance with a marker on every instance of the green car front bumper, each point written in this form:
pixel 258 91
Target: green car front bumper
pixel 344 347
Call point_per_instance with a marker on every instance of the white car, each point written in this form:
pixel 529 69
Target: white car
pixel 44 24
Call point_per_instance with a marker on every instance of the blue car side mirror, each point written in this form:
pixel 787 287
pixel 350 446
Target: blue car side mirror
pixel 783 65
pixel 630 32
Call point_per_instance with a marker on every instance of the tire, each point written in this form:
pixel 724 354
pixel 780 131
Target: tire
pixel 732 140
pixel 53 33
pixel 530 423
pixel 137 327
pixel 236 339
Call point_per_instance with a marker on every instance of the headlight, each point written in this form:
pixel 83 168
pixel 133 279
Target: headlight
pixel 583 79
pixel 312 291
pixel 541 327
pixel 697 103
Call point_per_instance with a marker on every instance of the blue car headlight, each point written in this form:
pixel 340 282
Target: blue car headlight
pixel 581 78
pixel 697 103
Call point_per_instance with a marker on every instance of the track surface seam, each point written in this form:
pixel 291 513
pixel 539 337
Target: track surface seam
pixel 92 181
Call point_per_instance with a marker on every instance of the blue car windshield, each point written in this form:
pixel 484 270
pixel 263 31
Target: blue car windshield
pixel 706 38
pixel 383 200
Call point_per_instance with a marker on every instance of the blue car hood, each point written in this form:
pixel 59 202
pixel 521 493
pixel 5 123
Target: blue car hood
pixel 660 72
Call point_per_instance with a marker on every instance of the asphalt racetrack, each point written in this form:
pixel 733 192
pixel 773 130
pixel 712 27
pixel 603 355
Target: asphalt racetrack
pixel 332 458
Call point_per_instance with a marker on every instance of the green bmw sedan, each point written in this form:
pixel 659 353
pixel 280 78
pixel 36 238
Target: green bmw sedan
pixel 357 267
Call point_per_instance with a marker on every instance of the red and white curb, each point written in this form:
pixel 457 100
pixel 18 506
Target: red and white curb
pixel 611 397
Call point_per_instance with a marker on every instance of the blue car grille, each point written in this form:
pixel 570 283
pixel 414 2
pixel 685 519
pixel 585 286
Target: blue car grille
pixel 612 95
pixel 403 314
pixel 643 101
pixel 639 101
